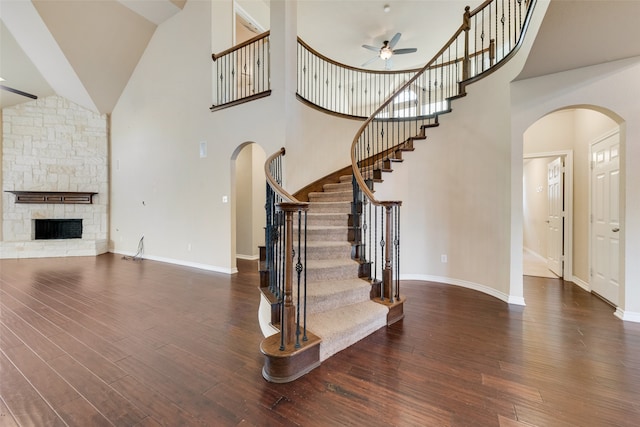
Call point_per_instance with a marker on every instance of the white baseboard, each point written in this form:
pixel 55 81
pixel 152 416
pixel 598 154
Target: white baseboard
pixel 584 285
pixel 509 299
pixel 627 316
pixel 248 257
pixel 200 266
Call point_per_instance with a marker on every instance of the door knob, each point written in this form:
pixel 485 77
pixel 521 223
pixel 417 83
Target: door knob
pixel 615 230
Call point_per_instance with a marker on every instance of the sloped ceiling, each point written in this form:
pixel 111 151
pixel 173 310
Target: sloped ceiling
pixel 86 50
pixel 579 33
pixel 83 50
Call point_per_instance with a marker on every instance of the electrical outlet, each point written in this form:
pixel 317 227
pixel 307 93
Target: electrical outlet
pixel 443 258
pixel 225 199
pixel 189 247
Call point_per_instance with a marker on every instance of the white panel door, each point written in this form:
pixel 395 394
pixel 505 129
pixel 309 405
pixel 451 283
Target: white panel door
pixel 605 214
pixel 555 217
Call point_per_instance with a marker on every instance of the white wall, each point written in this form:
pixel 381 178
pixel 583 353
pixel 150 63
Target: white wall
pixel 161 188
pixel 456 188
pixel 610 88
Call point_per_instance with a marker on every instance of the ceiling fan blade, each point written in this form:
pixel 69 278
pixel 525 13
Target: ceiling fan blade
pixel 406 50
pixel 370 61
pixel 394 40
pixel 373 48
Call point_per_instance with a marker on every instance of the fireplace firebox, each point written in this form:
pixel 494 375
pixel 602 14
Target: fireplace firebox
pixel 47 229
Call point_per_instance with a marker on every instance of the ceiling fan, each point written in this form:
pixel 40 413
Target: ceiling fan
pixel 387 51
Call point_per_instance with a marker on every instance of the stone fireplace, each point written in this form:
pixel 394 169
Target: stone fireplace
pixel 55 168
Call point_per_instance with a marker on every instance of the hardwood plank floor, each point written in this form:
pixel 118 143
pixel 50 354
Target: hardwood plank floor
pixel 106 341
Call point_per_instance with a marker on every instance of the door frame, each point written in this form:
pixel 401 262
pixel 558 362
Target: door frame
pixel 567 232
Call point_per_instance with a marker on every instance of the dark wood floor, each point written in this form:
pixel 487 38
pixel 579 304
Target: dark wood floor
pixel 106 341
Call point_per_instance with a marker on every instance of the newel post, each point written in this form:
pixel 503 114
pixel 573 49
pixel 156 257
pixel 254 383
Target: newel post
pixel 389 239
pixel 466 26
pixel 288 319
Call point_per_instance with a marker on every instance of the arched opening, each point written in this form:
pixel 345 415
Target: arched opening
pixel 247 202
pixel 568 134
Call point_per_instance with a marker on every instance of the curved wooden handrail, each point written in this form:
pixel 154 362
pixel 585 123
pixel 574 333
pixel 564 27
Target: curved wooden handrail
pixel 277 188
pixel 464 27
pixel 349 67
pixel 239 46
pixel 506 58
pixel 356 171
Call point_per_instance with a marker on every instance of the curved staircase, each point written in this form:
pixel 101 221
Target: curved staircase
pixel 337 298
pixel 340 310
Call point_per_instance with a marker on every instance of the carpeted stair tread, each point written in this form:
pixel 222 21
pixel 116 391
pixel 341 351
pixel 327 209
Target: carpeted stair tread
pixel 330 294
pixel 340 186
pixel 343 326
pixel 337 196
pixel 327 218
pixel 332 207
pixel 327 263
pixel 321 249
pixel 327 233
pixel 331 269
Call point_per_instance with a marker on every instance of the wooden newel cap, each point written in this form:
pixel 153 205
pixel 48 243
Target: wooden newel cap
pixel 292 207
pixel 391 203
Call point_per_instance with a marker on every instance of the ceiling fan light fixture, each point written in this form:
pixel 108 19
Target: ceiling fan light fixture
pixel 385 53
pixel 386 8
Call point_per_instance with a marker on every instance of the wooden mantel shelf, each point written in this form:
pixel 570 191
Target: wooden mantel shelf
pixel 65 197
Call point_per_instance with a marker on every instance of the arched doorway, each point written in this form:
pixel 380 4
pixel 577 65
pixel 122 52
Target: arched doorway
pixel 569 132
pixel 247 201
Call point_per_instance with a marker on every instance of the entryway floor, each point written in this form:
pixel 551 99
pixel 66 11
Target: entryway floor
pixel 533 265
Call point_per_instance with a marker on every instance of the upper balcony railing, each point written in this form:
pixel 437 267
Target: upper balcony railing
pixel 242 73
pixel 487 35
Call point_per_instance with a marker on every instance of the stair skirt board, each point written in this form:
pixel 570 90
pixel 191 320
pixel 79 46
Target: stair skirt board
pixel 264 317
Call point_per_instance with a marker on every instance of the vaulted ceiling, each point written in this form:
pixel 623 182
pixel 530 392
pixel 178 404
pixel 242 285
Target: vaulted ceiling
pixel 86 50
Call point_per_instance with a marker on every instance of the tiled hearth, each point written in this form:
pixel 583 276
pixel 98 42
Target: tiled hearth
pixel 53 147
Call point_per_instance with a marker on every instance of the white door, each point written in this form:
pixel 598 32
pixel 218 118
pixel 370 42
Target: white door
pixel 605 217
pixel 555 217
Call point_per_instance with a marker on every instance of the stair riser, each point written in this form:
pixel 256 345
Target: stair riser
pixel 332 235
pixel 332 273
pixel 341 220
pixel 337 196
pixel 316 304
pixel 343 186
pixel 339 207
pixel 323 253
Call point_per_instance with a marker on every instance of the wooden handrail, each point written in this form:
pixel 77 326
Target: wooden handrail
pixel 239 46
pixel 464 27
pixel 356 171
pixel 479 8
pixel 349 67
pixel 277 188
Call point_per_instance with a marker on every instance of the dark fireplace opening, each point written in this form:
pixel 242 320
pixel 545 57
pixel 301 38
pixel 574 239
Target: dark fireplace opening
pixel 58 229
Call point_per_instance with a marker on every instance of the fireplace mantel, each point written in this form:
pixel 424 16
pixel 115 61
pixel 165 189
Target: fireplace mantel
pixel 64 197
